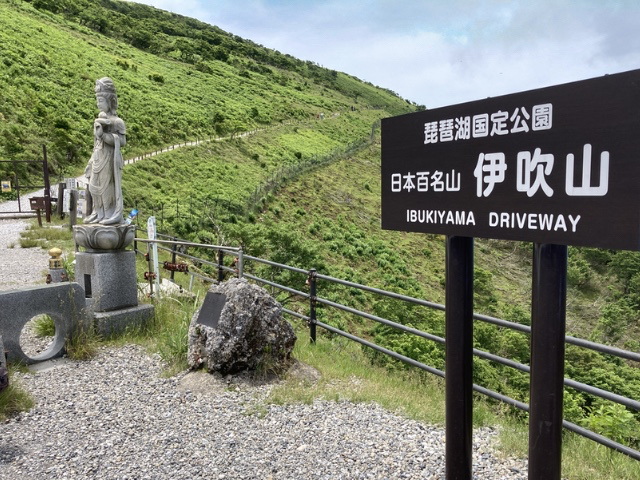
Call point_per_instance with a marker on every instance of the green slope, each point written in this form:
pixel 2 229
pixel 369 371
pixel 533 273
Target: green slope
pixel 50 64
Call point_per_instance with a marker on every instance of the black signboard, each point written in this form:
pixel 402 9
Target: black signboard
pixel 555 165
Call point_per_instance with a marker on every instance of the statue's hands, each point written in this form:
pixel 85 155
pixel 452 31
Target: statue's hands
pixel 87 171
pixel 97 129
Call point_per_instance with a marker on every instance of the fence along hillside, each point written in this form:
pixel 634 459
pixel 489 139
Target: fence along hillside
pixel 251 268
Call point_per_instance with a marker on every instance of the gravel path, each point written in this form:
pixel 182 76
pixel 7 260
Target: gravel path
pixel 114 417
pixel 20 267
pixel 117 417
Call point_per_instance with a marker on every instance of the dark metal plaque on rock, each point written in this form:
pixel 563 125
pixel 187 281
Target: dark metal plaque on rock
pixel 211 309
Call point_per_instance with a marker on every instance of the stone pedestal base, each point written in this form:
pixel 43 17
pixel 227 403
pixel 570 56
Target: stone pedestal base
pixel 107 324
pixel 109 279
pixel 111 291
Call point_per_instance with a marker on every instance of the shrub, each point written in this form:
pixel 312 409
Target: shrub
pixel 578 272
pixel 614 422
pixel 156 78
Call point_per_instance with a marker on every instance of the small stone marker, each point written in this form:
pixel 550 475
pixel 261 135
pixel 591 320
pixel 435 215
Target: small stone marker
pixel 239 327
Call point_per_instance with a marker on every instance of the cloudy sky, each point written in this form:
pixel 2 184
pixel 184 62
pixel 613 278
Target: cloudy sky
pixel 437 52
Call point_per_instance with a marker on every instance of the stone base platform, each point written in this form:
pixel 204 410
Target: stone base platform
pixel 107 324
pixel 109 279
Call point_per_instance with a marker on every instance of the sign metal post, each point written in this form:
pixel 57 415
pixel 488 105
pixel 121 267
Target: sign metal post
pixel 548 309
pixel 459 358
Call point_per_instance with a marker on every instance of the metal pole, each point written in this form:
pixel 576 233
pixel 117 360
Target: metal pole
pixel 173 258
pixel 312 304
pixel 47 185
pixel 73 212
pixel 459 358
pixel 220 265
pixel 15 174
pixel 548 320
pixel 240 263
pixel 59 210
pixel 149 264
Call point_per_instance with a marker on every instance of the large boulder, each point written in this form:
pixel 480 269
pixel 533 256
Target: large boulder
pixel 239 327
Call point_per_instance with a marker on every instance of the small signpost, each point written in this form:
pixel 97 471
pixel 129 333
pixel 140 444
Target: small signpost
pixel 38 204
pixel 555 166
pixel 151 233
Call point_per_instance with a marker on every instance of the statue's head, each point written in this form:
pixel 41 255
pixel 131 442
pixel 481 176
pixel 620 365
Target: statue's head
pixel 107 90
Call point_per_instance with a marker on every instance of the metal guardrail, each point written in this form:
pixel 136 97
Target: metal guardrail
pixel 312 321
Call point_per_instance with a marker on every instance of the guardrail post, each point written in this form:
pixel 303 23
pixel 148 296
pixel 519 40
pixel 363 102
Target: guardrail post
pixel 459 358
pixel 173 256
pixel 220 265
pixel 73 212
pixel 47 185
pixel 59 210
pixel 312 304
pixel 149 265
pixel 548 321
pixel 240 263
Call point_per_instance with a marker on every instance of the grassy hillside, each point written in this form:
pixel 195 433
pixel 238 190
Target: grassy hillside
pixel 50 64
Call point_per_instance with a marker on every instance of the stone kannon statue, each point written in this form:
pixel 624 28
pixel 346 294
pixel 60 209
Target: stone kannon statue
pixel 104 169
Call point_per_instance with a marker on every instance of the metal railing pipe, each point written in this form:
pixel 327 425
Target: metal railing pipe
pixel 274 264
pixel 295 314
pixel 384 321
pixel 488 319
pixel 220 265
pixel 391 353
pixel 398 296
pixel 583 387
pixel 276 285
pixel 607 442
pixel 614 397
pixel 201 277
pixel 189 244
pixel 579 342
pixel 500 397
pixel 313 302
